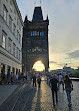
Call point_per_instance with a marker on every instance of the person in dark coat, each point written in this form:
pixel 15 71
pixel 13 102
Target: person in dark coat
pixel 54 89
pixel 39 81
pixel 34 80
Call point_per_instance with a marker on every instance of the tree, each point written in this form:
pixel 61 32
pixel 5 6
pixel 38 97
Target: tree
pixel 76 73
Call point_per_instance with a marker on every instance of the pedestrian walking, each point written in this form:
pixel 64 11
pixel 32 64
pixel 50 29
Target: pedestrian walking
pixel 39 81
pixel 68 88
pixel 11 76
pixel 61 81
pixel 34 80
pixel 54 83
pixel 17 77
pixel 24 75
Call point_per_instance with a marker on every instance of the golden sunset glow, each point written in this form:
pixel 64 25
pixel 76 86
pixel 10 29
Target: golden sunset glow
pixel 39 66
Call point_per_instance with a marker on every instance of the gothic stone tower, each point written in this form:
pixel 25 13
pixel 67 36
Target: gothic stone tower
pixel 35 41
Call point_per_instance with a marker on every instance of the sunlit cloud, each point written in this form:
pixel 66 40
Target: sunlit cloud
pixel 74 54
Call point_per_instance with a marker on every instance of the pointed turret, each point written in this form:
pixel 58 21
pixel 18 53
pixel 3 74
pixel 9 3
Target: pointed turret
pixel 26 18
pixel 25 21
pixel 47 18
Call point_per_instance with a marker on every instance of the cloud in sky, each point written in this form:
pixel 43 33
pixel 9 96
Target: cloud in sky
pixel 52 62
pixel 63 28
pixel 74 54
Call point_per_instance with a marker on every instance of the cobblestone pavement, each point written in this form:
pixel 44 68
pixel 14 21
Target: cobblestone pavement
pixel 6 91
pixel 27 98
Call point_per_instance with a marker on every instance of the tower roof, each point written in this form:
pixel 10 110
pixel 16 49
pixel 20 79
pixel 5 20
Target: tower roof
pixel 37 16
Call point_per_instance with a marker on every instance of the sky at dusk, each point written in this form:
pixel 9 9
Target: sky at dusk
pixel 63 29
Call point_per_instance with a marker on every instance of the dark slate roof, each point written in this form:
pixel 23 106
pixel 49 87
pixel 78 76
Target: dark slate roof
pixel 37 16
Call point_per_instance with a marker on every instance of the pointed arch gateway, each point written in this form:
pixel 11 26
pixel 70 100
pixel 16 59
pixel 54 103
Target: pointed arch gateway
pixel 35 41
pixel 36 60
pixel 32 59
pixel 38 66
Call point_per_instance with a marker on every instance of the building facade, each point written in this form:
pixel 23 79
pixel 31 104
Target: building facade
pixel 35 41
pixel 10 38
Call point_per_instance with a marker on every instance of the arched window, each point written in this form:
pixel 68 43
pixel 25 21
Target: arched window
pixel 42 33
pixel 31 34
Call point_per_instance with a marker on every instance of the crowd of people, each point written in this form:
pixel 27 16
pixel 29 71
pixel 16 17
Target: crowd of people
pixel 14 78
pixel 19 77
pixel 55 81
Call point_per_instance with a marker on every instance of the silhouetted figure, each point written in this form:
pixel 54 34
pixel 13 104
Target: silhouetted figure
pixel 54 82
pixel 17 77
pixel 61 80
pixel 39 81
pixel 68 88
pixel 11 77
pixel 24 76
pixel 34 80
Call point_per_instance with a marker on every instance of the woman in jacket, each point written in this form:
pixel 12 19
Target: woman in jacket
pixel 68 88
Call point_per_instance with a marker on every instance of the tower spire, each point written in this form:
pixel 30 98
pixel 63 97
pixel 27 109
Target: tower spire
pixel 37 15
pixel 40 2
pixel 34 3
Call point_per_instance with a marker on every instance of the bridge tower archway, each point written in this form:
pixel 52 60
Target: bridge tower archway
pixel 35 41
